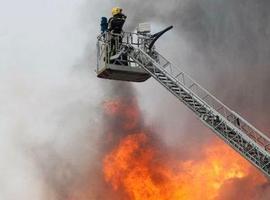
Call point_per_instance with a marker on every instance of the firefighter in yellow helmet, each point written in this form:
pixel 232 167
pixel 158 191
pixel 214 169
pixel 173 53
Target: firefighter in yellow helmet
pixel 117 21
pixel 115 25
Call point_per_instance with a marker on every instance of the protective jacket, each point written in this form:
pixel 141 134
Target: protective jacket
pixel 116 23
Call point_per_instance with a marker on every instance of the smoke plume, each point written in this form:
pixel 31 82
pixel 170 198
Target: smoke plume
pixel 53 131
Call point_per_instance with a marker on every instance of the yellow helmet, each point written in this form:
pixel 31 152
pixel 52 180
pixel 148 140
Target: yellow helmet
pixel 116 10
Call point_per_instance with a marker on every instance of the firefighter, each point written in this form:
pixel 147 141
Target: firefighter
pixel 117 21
pixel 115 25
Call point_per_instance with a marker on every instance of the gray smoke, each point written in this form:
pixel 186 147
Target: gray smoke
pixel 51 125
pixel 228 44
pixel 224 45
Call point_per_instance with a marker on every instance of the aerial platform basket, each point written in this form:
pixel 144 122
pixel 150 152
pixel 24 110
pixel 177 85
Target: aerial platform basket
pixel 112 60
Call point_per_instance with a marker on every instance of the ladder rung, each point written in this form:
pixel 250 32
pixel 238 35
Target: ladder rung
pixel 171 84
pixel 162 77
pixel 164 66
pixel 175 88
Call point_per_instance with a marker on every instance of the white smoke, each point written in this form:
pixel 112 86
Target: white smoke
pixel 49 96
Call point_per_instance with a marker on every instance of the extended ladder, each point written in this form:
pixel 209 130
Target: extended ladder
pixel 137 55
pixel 231 127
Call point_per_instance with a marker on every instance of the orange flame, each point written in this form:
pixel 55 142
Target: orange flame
pixel 135 168
pixel 126 110
pixel 140 169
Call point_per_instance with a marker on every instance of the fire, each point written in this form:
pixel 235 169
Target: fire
pixel 145 170
pixel 135 167
pixel 127 111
